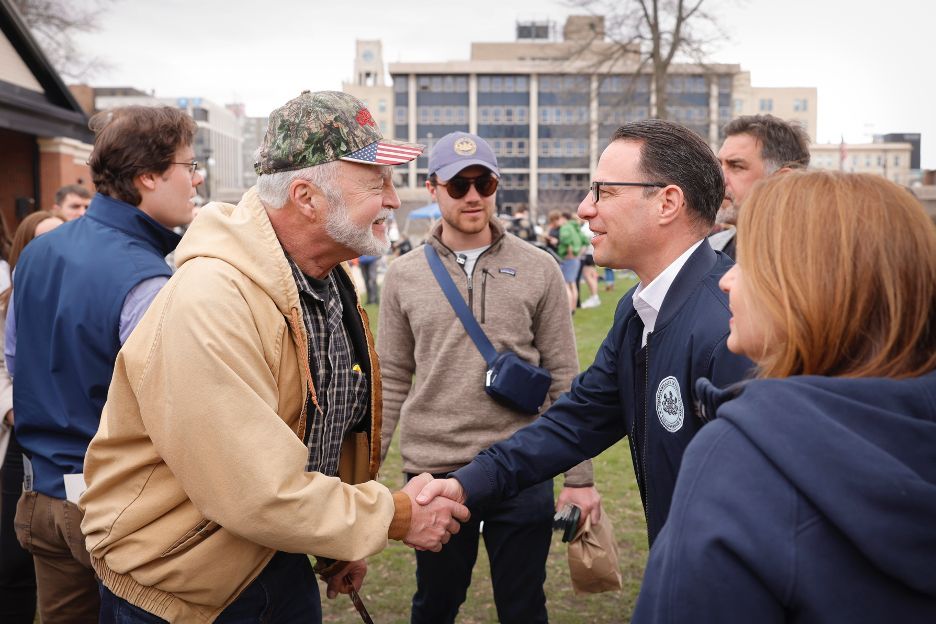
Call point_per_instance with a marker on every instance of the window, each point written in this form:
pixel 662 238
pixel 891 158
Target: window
pixel 563 84
pixel 382 106
pixel 800 105
pixel 507 115
pixel 766 105
pixel 563 147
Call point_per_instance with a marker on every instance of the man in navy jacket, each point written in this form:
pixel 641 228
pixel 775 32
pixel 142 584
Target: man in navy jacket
pixel 652 201
pixel 78 293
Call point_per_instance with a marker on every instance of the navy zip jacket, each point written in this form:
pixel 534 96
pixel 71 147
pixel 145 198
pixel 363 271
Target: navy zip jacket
pixel 809 499
pixel 642 393
pixel 70 287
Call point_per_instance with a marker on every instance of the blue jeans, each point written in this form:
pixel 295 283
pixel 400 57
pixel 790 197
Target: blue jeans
pixel 286 591
pixel 517 533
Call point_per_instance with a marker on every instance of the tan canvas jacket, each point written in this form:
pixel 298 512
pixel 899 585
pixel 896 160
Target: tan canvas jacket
pixel 197 473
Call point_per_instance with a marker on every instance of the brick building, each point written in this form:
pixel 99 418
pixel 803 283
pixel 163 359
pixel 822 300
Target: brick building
pixel 44 137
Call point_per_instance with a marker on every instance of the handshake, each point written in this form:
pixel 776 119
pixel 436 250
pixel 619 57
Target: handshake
pixel 437 511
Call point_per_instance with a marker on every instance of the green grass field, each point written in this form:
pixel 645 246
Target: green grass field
pixel 390 582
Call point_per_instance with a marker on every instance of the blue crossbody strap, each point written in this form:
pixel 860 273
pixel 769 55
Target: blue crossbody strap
pixel 461 308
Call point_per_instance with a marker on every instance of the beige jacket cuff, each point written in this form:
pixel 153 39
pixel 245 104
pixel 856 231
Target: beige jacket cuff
pixel 402 515
pixel 582 475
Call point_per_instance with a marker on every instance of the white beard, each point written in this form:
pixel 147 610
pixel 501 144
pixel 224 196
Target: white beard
pixel 360 239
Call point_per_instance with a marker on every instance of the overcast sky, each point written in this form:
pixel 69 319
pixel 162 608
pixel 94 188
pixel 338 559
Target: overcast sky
pixel 871 61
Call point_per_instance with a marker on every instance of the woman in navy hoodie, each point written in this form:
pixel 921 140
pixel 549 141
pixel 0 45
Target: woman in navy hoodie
pixel 812 496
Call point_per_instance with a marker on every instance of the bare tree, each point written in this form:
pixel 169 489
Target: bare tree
pixel 55 25
pixel 656 32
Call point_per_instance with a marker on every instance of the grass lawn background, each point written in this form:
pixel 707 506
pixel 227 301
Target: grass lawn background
pixel 390 582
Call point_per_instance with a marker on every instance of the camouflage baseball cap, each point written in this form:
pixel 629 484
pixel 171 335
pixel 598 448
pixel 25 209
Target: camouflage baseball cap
pixel 316 128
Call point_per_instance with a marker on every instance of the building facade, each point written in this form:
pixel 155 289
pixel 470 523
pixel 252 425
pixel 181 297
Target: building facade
pixel 44 138
pixel 369 84
pixel 217 142
pixel 548 108
pixel 890 160
pixel 797 104
pixel 252 131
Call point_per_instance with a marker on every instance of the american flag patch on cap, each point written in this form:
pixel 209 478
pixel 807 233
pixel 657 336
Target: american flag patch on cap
pixel 386 153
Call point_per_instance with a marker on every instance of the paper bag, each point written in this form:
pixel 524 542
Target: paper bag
pixel 593 558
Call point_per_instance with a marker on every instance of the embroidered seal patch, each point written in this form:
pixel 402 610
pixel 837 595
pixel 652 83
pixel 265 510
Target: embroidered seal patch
pixel 669 405
pixel 465 147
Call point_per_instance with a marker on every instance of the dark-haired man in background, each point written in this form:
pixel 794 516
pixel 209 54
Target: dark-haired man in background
pixel 652 200
pixel 71 202
pixel 79 292
pixel 756 146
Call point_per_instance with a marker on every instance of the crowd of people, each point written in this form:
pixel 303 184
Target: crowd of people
pixel 198 442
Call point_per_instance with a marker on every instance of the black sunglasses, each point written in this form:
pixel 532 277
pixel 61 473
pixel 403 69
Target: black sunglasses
pixel 458 187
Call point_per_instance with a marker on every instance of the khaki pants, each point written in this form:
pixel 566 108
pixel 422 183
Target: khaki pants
pixel 50 529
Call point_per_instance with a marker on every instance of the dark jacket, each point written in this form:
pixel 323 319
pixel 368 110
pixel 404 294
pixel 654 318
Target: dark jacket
pixel 810 499
pixel 70 288
pixel 645 394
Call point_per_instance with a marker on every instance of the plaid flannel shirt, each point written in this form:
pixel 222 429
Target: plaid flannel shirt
pixel 341 386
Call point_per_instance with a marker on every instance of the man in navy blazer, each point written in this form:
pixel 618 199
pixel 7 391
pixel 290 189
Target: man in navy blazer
pixel 652 200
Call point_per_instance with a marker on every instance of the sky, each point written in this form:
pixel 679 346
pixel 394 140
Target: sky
pixel 870 61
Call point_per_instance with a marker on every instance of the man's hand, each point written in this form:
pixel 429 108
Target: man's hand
pixel 434 521
pixel 351 575
pixel 448 488
pixel 585 498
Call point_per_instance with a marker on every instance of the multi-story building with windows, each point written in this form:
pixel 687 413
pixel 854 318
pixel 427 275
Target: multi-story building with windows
pixel 548 108
pixel 890 160
pixel 796 104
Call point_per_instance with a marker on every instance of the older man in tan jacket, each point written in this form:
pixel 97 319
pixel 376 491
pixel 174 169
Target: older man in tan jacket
pixel 247 401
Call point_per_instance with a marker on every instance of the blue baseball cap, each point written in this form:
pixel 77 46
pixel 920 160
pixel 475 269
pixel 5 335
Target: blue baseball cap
pixel 458 150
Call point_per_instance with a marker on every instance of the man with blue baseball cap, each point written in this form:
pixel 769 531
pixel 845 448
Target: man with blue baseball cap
pixel 433 379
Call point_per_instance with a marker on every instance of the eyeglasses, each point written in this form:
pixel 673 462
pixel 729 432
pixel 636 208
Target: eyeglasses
pixel 192 166
pixel 458 187
pixel 596 186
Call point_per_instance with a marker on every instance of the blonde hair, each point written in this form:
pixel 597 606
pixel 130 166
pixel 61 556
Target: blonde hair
pixel 843 268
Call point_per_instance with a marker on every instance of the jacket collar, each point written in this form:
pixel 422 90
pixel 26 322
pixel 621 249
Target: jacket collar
pixel 708 397
pixel 133 221
pixel 695 269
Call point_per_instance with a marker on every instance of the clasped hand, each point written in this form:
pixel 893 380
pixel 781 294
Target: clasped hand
pixel 437 511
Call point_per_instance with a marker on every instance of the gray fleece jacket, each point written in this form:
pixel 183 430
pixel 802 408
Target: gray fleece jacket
pixel 433 375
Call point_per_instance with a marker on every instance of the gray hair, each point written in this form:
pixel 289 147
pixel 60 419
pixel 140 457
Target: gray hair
pixel 273 188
